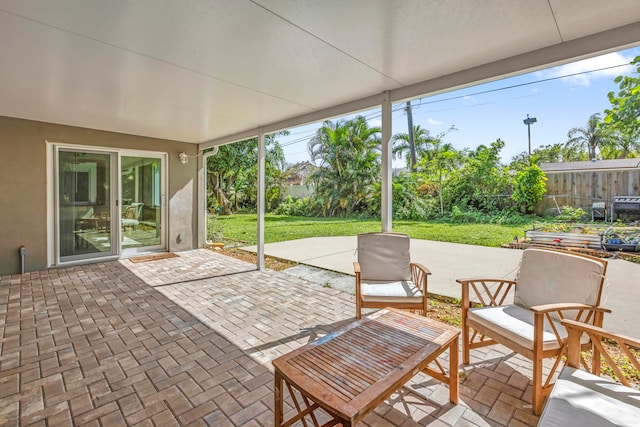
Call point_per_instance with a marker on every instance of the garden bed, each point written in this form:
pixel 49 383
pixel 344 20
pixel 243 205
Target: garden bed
pixel 567 235
pixel 612 239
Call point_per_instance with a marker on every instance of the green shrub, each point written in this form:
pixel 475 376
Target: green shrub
pixel 215 229
pixel 570 214
pixel 295 207
pixel 469 216
pixel 529 187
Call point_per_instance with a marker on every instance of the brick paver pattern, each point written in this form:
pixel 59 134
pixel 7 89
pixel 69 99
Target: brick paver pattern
pixel 189 341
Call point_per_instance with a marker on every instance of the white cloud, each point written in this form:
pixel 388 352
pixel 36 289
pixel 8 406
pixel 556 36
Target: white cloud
pixel 374 122
pixel 469 99
pixel 433 121
pixel 600 63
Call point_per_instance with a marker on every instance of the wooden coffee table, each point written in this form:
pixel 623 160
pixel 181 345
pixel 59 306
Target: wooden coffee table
pixel 347 373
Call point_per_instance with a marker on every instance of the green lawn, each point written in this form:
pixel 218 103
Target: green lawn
pixel 242 228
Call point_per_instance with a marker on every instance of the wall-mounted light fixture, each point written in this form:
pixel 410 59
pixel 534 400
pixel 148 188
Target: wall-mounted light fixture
pixel 184 158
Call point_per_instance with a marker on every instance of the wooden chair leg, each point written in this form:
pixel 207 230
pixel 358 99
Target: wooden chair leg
pixel 465 334
pixel 464 328
pixel 537 395
pixel 465 343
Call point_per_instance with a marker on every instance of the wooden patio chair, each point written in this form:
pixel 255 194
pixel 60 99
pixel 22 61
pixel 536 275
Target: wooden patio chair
pixel 551 285
pixel 582 398
pixel 385 275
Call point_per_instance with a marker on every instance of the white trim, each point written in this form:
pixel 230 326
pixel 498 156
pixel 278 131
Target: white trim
pixel 113 156
pixel 88 261
pixel 203 183
pixel 320 115
pixel 51 182
pixel 386 166
pixel 261 200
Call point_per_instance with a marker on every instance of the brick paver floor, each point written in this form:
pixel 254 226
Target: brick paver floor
pixel 189 341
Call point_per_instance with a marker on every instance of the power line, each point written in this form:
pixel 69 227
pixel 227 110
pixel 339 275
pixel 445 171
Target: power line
pixel 520 85
pixel 376 113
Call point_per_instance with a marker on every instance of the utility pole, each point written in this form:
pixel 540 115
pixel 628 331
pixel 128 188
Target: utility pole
pixel 412 142
pixel 529 121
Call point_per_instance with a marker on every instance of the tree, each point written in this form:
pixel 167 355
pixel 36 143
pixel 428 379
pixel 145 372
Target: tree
pixel 481 181
pixel 529 187
pixel 623 147
pixel 438 164
pixel 624 115
pixel 232 172
pixel 224 171
pixel 592 136
pixel 402 144
pixel 551 153
pixel 275 175
pixel 424 143
pixel 348 156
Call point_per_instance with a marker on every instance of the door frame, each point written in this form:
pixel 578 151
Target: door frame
pixel 163 199
pixel 53 212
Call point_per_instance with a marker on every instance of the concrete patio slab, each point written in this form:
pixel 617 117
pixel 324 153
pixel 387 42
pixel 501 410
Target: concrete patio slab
pixel 450 261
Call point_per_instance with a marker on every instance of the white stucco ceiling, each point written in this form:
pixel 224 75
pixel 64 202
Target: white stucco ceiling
pixel 203 70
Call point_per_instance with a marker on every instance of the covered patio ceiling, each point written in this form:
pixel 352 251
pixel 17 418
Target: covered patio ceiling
pixel 214 71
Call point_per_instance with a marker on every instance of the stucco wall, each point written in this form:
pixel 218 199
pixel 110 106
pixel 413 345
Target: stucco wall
pixel 23 186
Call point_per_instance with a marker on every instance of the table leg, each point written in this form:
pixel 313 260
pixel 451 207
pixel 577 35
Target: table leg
pixel 278 407
pixel 453 372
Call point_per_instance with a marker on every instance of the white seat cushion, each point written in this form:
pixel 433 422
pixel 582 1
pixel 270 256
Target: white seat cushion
pixel 128 222
pixel 582 399
pixel 398 291
pixel 516 324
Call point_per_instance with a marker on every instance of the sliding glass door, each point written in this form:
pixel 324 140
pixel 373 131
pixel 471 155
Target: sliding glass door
pixel 85 205
pixel 142 196
pixel 108 203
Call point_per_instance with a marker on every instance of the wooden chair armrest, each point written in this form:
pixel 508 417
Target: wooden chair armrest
pixel 580 327
pixel 547 308
pixel 600 352
pixel 421 267
pixel 356 267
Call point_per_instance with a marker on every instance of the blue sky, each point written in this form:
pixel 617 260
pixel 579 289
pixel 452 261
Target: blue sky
pixel 480 118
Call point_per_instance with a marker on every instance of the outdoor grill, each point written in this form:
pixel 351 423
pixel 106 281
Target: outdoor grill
pixel 626 205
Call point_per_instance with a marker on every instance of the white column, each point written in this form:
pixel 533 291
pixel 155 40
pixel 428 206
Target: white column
pixel 261 199
pixel 386 195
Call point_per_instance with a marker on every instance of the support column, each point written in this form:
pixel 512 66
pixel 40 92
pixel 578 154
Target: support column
pixel 386 165
pixel 261 199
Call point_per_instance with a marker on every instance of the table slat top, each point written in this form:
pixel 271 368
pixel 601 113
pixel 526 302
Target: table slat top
pixel 351 361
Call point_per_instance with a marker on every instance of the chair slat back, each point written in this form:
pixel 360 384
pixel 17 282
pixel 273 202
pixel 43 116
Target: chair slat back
pixel 548 276
pixel 384 256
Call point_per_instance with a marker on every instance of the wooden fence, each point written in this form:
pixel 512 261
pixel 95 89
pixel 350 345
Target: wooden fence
pixel 580 189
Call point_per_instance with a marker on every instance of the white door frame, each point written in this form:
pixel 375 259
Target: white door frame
pixel 163 198
pixel 53 231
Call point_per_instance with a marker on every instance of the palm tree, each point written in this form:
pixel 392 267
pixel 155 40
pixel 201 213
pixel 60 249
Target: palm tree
pixel 402 145
pixel 592 136
pixel 623 146
pixel 347 151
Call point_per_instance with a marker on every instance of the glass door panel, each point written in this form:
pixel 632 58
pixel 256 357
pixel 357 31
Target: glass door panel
pixel 141 183
pixel 85 205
